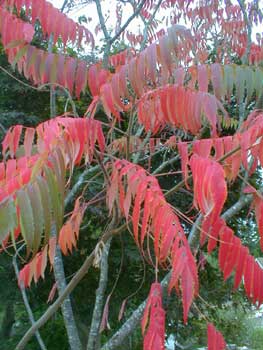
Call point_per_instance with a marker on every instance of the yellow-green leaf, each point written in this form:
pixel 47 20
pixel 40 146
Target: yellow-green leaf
pixel 8 218
pixel 26 218
pixel 38 214
pixel 46 203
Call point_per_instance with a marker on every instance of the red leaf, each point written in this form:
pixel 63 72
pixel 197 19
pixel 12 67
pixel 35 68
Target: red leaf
pixel 25 276
pixel 122 309
pixel 202 77
pixel 52 249
pixel 241 265
pixel 210 191
pixel 183 151
pixel 184 270
pixel 259 216
pixel 249 276
pixel 215 340
pixel 69 232
pixel 154 320
pixel 216 77
pixel 105 316
pixel 52 293
pixel 28 142
pixel 81 78
pixel 70 68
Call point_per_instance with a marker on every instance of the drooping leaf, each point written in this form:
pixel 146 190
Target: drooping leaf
pixel 153 321
pixel 46 206
pixel 34 194
pixel 8 217
pixel 56 197
pixel 26 219
pixel 215 340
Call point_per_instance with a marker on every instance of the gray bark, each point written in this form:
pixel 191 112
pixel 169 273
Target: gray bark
pixel 94 335
pixel 66 307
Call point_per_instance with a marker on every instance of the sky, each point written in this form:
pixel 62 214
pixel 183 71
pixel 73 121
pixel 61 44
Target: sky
pixel 91 11
pixel 109 5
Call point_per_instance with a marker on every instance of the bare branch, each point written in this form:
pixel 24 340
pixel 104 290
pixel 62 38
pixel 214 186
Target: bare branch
pixel 137 155
pixel 69 288
pixel 135 14
pixel 102 20
pixel 94 334
pixel 55 306
pixel 240 204
pixel 245 58
pixel 165 164
pixel 147 25
pixel 132 323
pixel 66 306
pixel 79 182
pixel 27 306
pixel 64 5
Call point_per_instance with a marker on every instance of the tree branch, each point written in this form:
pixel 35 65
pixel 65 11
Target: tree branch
pixel 94 334
pixel 240 204
pixel 59 273
pixel 165 164
pixel 148 25
pixel 69 288
pixel 79 182
pixel 102 20
pixel 64 5
pixel 136 12
pixel 66 306
pixel 245 58
pixel 131 324
pixel 84 269
pixel 137 155
pixel 27 306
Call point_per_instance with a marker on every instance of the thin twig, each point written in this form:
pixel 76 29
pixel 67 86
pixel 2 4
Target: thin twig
pixel 20 81
pixel 69 288
pixel 26 302
pixel 145 32
pixel 245 58
pixel 135 14
pixel 102 20
pixel 137 155
pixel 165 164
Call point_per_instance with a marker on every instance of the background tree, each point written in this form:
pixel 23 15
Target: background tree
pixel 160 107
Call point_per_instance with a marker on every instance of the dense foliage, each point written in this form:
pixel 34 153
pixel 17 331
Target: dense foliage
pixel 153 185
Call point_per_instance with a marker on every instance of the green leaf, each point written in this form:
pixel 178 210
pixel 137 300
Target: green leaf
pixel 258 80
pixel 46 204
pixel 26 218
pixel 53 69
pixel 240 84
pixel 56 200
pixel 14 43
pixel 19 55
pixel 8 218
pixel 58 163
pixel 228 79
pixel 249 76
pixel 38 214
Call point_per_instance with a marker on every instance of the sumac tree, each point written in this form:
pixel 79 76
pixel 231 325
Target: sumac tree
pixel 172 93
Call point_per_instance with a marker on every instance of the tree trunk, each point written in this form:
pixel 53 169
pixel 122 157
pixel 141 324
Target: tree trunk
pixel 66 307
